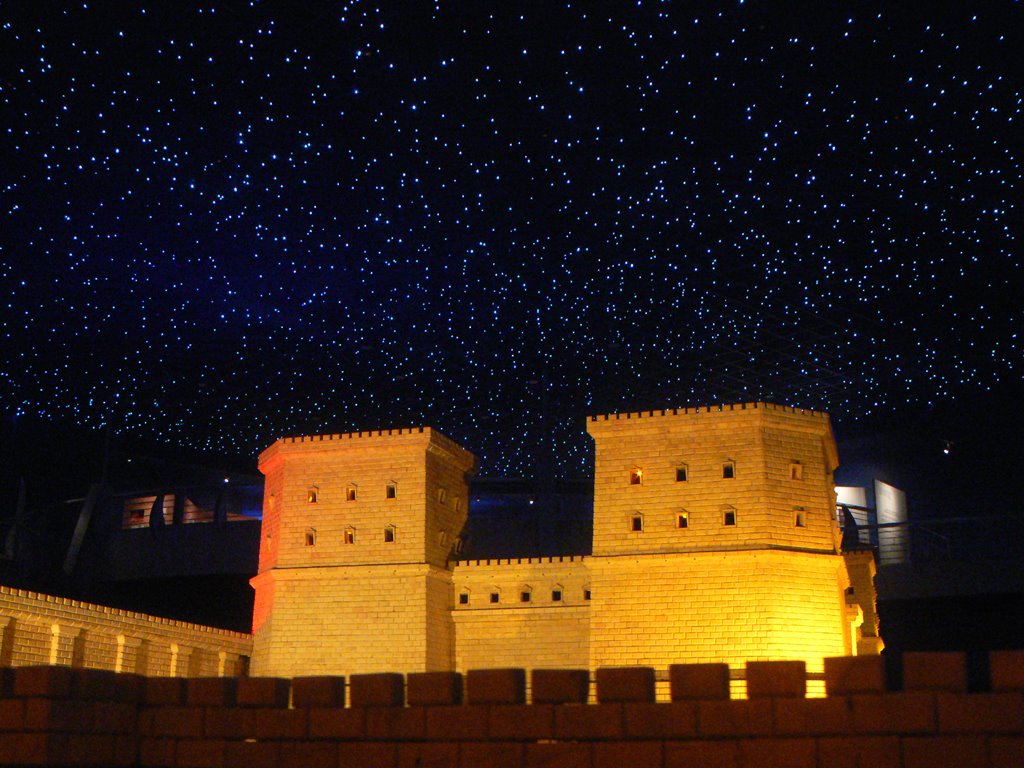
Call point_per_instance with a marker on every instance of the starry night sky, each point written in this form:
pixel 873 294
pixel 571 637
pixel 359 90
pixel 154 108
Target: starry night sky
pixel 224 223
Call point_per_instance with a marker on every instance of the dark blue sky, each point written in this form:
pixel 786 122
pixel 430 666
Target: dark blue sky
pixel 223 223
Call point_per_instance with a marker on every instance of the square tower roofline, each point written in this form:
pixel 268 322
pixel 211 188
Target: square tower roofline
pixel 426 437
pixel 802 419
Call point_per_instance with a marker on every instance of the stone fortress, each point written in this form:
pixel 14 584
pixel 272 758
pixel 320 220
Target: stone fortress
pixel 714 540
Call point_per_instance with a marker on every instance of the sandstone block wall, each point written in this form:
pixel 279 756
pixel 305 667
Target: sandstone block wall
pixel 541 632
pixel 43 629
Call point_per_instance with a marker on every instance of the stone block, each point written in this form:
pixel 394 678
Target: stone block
pixel 496 686
pixel 932 671
pixel 94 684
pixel 200 753
pixel 396 723
pixel 50 682
pixel 698 681
pixel 943 751
pixel 589 721
pixel 438 754
pixel 1006 669
pixel 860 751
pixel 318 692
pixel 776 679
pixel 521 722
pixel 277 724
pixel 158 753
pixel 333 723
pixel 252 754
pixel 660 721
pixel 63 716
pixel 431 689
pixel 90 749
pixel 115 717
pixel 559 686
pixel 1006 751
pixel 635 754
pixel 308 754
pixel 131 688
pixel 177 722
pixel 622 684
pixel 367 755
pixel 262 692
pixel 211 691
pixel 735 718
pixel 846 675
pixel 776 753
pixel 456 723
pixel 894 713
pixel 706 754
pixel 981 713
pixel 12 714
pixel 495 754
pixel 386 689
pixel 164 691
pixel 812 717
pixel 555 755
pixel 229 723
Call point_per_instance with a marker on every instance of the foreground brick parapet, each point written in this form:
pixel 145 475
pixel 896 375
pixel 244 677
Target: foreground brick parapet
pixel 57 716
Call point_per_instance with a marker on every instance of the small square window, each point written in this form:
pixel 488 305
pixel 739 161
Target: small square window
pixel 729 470
pixel 495 597
pixel 800 518
pixel 556 596
pixel 391 491
pixel 350 536
pixel 729 517
pixel 681 475
pixel 464 598
pixel 458 545
pixel 442 538
pixel 350 493
pixel 636 477
pixel 525 596
pixel 682 520
pixel 796 471
pixel 442 495
pixel 310 538
pixel 458 504
pixel 389 534
pixel 586 594
pixel 636 523
pixel 312 495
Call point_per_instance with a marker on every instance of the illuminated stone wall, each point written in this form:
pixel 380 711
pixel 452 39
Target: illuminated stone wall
pixel 715 540
pixel 43 629
pixel 357 533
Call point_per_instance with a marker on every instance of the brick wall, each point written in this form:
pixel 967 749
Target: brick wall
pixel 56 716
pixel 43 629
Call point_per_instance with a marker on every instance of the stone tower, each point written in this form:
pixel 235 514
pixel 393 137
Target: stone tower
pixel 715 538
pixel 357 531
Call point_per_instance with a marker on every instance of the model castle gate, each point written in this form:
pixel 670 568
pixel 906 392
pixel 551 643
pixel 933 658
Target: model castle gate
pixel 715 539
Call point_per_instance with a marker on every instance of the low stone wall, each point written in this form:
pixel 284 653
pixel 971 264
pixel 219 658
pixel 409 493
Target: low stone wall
pixel 55 716
pixel 44 629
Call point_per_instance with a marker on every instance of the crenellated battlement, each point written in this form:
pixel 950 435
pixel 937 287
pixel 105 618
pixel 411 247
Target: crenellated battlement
pixel 708 409
pixel 517 561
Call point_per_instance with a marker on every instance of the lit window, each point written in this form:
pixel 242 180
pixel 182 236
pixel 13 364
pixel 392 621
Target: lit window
pixel 389 534
pixel 682 520
pixel 312 494
pixel 729 470
pixel 310 537
pixel 729 516
pixel 350 492
pixel 391 491
pixel 796 471
pixel 681 473
pixel 800 517
pixel 636 523
pixel 636 476
pixel 350 535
